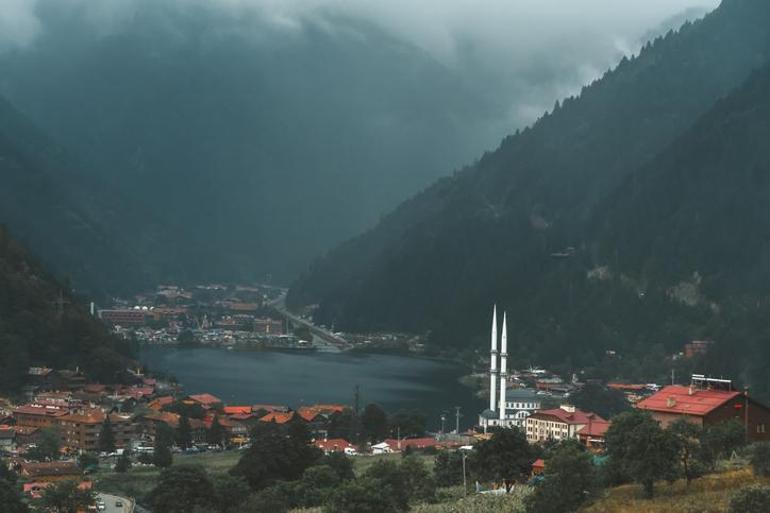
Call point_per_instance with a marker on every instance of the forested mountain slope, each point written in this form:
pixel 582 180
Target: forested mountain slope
pixel 252 142
pixel 515 227
pixel 74 221
pixel 690 232
pixel 41 323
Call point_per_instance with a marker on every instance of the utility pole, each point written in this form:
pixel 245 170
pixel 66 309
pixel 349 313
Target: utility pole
pixel 457 419
pixel 465 478
pixel 356 400
pixel 443 422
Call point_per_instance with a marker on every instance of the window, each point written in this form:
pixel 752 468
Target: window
pixel 760 428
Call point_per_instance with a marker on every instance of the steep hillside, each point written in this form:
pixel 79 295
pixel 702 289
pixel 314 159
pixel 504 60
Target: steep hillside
pixel 253 142
pixel 41 323
pixel 76 224
pixel 515 227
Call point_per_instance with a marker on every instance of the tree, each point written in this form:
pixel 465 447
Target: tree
pixel 183 434
pixel 181 489
pixel 448 468
pixel 390 475
pixel 216 433
pixel 364 495
pixel 343 425
pixel 407 424
pixel 230 492
pixel 268 500
pixel 124 462
pixel 720 440
pixel 506 455
pixel 641 449
pixel 10 498
pixel 569 480
pixel 66 497
pixel 754 499
pixel 600 400
pixel 374 423
pixel 316 485
pixel 686 436
pixel 161 455
pixel 340 463
pixel 420 484
pixel 88 461
pixel 760 459
pixel 48 445
pixel 107 436
pixel 275 456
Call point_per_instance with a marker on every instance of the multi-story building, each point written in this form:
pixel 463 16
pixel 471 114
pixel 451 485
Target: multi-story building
pixel 706 402
pixel 80 431
pixel 561 423
pixel 124 317
pixel 38 415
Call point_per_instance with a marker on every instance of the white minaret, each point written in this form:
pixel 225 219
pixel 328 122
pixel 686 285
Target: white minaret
pixel 493 364
pixel 503 366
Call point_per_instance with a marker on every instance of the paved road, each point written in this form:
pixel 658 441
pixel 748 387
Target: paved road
pixel 328 340
pixel 110 502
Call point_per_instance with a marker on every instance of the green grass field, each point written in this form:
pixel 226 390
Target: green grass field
pixel 138 481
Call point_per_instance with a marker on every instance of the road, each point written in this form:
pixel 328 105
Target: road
pixel 328 340
pixel 111 500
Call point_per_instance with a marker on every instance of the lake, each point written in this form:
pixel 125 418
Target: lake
pixel 296 379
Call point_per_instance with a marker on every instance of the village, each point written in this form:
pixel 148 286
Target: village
pixel 68 427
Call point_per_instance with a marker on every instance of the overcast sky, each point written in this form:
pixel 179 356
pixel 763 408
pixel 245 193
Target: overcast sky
pixel 531 50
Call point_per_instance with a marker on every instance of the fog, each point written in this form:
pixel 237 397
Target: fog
pixel 346 107
pixel 504 36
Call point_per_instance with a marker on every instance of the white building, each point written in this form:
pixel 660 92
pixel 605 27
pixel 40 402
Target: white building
pixel 512 407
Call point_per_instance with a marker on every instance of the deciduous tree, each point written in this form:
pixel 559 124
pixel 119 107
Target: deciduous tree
pixel 641 449
pixel 181 489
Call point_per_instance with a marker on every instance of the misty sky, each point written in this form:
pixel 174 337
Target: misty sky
pixel 533 50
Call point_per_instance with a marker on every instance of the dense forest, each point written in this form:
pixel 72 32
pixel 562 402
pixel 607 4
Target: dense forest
pixel 588 227
pixel 42 323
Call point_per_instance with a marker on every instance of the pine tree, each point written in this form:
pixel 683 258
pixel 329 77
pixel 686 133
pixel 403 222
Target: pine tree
pixel 106 436
pixel 184 433
pixel 161 456
pixel 216 433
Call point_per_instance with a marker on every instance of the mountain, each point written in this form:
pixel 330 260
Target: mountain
pixel 253 144
pixel 75 222
pixel 518 226
pixel 41 323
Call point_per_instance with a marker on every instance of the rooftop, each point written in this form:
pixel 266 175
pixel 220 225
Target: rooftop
pixel 567 416
pixel 686 400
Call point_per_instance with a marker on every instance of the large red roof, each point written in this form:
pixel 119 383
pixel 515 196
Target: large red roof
pixel 682 400
pixel 205 399
pixel 569 417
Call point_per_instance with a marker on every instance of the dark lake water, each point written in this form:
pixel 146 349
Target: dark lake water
pixel 296 379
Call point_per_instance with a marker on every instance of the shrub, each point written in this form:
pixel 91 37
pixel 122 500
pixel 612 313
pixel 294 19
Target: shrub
pixel 754 499
pixel 760 459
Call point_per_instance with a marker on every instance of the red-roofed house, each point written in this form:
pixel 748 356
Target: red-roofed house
pixel 159 402
pixel 278 417
pixel 705 406
pixel 413 443
pixel 269 408
pixel 336 445
pixel 538 467
pixel 593 435
pixel 558 424
pixel 207 401
pixel 35 489
pixel 237 410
